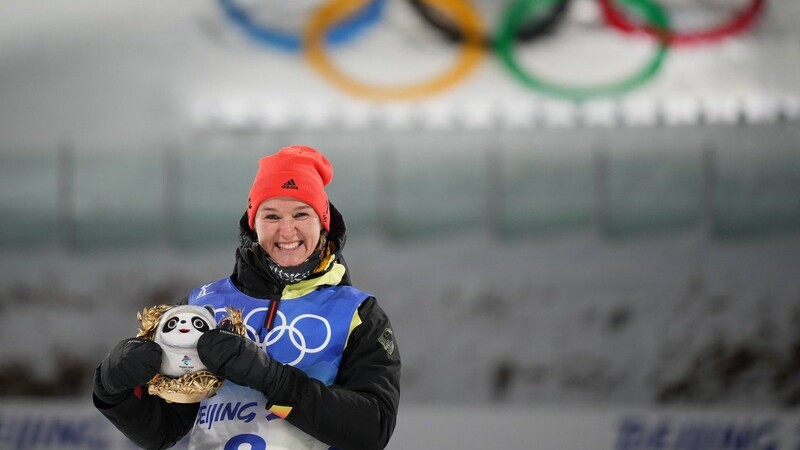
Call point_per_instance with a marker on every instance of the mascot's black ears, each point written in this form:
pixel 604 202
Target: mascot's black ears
pixel 210 309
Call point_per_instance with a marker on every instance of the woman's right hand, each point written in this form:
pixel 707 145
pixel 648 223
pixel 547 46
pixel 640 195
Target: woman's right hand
pixel 131 363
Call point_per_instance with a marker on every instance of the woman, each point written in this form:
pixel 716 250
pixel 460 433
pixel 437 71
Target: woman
pixel 319 367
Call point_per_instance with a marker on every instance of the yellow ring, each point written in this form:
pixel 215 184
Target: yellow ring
pixel 334 11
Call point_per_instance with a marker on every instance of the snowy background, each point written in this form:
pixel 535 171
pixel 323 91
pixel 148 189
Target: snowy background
pixel 574 320
pixel 522 256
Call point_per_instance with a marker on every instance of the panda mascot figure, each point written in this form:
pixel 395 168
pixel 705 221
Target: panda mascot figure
pixel 182 377
pixel 177 333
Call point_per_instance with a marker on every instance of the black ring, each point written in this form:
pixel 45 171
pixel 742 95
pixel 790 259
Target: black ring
pixel 536 28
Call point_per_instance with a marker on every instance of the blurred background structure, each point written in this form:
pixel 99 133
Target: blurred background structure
pixel 581 217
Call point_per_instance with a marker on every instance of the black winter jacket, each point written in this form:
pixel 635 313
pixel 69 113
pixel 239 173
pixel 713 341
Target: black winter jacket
pixel 358 411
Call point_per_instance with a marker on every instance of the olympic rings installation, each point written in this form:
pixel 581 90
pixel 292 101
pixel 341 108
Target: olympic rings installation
pixel 344 31
pixel 470 54
pixel 656 18
pixel 741 22
pixel 536 28
pixel 337 21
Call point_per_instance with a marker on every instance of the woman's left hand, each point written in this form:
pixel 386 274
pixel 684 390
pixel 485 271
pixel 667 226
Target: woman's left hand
pixel 236 358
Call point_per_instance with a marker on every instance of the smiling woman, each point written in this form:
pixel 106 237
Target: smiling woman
pixel 319 354
pixel 288 230
pixel 288 210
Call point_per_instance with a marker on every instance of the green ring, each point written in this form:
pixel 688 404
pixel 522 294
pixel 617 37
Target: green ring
pixel 514 17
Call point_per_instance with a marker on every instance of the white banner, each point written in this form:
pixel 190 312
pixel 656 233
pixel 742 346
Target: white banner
pixel 75 425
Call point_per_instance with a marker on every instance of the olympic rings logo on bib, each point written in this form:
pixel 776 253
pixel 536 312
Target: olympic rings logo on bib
pixel 296 337
pixel 291 331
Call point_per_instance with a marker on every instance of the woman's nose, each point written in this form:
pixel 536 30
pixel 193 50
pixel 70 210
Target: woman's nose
pixel 287 225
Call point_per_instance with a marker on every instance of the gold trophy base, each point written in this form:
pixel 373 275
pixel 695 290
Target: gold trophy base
pixel 190 388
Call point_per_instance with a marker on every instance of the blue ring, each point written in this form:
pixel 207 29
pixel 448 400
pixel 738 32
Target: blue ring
pixel 339 34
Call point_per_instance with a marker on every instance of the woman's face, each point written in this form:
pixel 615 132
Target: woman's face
pixel 288 230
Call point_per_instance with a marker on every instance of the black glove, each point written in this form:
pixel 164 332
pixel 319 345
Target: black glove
pixel 131 363
pixel 236 358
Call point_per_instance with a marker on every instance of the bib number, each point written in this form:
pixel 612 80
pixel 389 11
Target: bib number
pixel 254 442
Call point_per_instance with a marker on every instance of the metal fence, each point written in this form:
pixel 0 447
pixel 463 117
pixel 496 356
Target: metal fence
pixel 731 181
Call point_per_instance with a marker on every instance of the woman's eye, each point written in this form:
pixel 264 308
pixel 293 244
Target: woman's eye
pixel 272 218
pixel 301 215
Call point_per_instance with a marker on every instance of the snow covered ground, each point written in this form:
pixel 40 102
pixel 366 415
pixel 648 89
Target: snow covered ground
pixel 676 319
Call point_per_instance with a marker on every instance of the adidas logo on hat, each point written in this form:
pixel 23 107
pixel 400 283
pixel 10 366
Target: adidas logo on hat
pixel 289 184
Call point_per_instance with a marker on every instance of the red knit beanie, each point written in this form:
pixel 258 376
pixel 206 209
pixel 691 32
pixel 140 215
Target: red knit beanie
pixel 297 171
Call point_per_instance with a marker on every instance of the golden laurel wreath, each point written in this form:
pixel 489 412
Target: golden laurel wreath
pixel 192 387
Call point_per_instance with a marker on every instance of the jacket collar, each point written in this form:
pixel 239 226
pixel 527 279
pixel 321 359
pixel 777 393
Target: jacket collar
pixel 332 277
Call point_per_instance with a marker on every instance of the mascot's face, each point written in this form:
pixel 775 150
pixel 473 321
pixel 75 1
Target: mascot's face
pixel 177 334
pixel 183 329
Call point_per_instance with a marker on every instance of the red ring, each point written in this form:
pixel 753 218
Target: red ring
pixel 738 24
